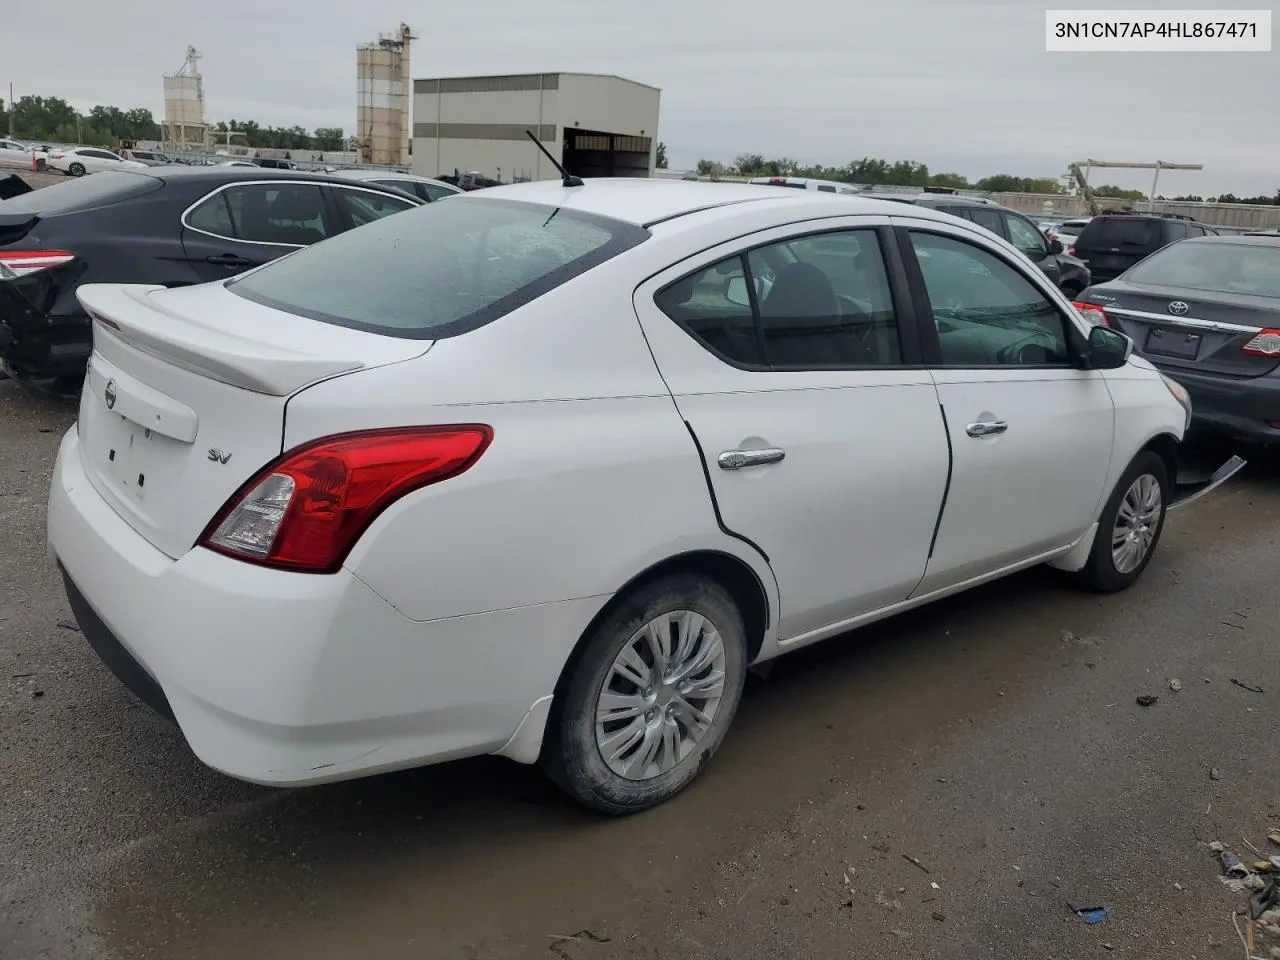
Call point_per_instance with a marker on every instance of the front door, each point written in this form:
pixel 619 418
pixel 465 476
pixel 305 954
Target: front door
pixel 1031 432
pixel 245 225
pixel 820 433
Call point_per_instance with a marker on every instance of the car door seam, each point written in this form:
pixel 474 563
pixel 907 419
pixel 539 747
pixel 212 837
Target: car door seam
pixel 946 487
pixel 715 504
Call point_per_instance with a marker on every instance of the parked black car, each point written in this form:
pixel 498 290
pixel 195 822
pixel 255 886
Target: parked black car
pixel 1111 243
pixel 12 185
pixel 165 225
pixel 1069 273
pixel 1206 311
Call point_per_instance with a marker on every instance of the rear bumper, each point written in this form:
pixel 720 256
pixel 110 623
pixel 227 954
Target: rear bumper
pixel 1240 407
pixel 290 679
pixel 48 351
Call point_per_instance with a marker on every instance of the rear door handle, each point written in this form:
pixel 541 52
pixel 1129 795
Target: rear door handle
pixel 737 459
pixel 986 428
pixel 229 260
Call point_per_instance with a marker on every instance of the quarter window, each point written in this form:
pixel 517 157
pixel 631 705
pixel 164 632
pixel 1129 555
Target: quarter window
pixel 435 192
pixel 985 311
pixel 816 301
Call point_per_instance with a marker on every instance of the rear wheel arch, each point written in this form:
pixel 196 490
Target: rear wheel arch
pixel 733 574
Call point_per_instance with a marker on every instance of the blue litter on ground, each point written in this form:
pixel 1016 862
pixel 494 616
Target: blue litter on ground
pixel 1094 916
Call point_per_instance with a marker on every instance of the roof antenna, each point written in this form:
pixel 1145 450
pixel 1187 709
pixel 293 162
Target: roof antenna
pixel 569 179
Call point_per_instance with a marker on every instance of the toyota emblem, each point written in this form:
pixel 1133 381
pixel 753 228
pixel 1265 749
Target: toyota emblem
pixel 110 394
pixel 1178 308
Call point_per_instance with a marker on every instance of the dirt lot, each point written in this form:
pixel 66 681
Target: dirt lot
pixel 994 738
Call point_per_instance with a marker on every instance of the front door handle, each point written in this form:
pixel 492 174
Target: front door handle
pixel 986 428
pixel 229 260
pixel 737 459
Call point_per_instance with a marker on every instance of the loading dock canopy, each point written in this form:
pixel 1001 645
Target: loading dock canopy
pixel 593 153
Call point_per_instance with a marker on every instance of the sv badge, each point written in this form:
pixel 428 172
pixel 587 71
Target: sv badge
pixel 218 456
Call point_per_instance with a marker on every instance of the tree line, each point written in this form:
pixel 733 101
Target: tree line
pixel 877 172
pixel 53 119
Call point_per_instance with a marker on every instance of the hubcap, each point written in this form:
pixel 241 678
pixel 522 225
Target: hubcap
pixel 660 696
pixel 1136 524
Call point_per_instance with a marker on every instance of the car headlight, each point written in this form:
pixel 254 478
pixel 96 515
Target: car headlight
pixel 1180 394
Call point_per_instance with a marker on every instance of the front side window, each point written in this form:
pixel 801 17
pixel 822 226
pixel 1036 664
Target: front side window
pixel 1024 236
pixel 439 270
pixel 985 311
pixel 436 192
pixel 816 301
pixel 365 206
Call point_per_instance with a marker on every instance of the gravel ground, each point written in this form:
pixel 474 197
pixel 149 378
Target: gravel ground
pixel 994 738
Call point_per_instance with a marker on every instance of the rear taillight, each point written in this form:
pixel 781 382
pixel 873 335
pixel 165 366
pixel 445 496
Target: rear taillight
pixel 1266 343
pixel 21 263
pixel 306 510
pixel 1093 313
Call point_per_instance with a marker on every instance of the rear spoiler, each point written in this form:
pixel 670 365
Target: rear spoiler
pixel 130 313
pixel 1185 493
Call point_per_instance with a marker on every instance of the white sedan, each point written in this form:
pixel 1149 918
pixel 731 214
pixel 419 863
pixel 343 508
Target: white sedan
pixel 540 472
pixel 78 161
pixel 20 156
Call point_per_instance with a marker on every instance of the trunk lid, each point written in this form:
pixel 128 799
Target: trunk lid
pixel 1205 334
pixel 186 392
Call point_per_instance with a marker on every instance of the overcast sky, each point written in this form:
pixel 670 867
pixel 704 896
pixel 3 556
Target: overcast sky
pixel 960 85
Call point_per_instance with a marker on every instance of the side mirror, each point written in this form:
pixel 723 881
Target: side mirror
pixel 737 292
pixel 1108 349
pixel 1055 246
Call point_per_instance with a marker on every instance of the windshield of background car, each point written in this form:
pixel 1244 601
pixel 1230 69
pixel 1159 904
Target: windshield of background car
pixel 1214 267
pixel 1120 232
pixel 83 193
pixel 441 269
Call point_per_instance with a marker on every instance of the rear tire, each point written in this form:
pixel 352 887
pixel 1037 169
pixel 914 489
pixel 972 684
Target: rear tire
pixel 666 723
pixel 1130 526
pixel 76 170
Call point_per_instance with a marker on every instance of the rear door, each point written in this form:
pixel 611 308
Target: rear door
pixel 791 356
pixel 243 225
pixel 1030 433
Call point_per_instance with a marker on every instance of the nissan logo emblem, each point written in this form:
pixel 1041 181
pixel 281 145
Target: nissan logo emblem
pixel 1178 308
pixel 110 394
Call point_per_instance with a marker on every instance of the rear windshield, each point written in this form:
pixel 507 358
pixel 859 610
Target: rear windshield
pixel 1214 267
pixel 441 269
pixel 83 193
pixel 1120 232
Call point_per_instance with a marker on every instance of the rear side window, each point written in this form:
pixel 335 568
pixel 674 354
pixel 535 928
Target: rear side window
pixel 440 270
pixel 84 193
pixel 288 214
pixel 1122 232
pixel 811 302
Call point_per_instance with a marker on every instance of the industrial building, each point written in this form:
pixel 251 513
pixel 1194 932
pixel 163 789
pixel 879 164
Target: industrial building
pixel 382 98
pixel 596 125
pixel 184 126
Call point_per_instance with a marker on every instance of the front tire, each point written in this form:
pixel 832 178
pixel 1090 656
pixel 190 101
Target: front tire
pixel 76 170
pixel 1130 526
pixel 650 698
